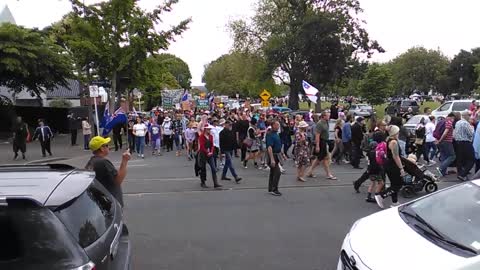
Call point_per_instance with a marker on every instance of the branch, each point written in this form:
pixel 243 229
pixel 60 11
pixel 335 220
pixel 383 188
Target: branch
pixel 281 79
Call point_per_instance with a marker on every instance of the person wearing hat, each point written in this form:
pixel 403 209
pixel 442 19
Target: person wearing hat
pixel 357 138
pixel 206 150
pixel 301 150
pixel 105 172
pixel 167 131
pixel 393 168
pixel 190 137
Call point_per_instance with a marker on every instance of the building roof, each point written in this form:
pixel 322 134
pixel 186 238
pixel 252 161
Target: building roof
pixel 6 16
pixel 71 91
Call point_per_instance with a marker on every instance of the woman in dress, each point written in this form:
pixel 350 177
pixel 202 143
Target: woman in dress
pixel 338 148
pixel 302 159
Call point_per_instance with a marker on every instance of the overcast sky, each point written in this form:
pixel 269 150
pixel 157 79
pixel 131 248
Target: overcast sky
pixel 397 25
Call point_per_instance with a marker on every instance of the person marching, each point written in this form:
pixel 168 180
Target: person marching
pixel 227 145
pixel 44 135
pixel 301 150
pixel 205 154
pixel 274 148
pixel 20 134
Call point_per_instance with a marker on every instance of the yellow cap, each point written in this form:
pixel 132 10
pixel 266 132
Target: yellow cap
pixel 97 142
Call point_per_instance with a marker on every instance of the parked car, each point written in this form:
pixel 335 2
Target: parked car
pixel 363 110
pixel 281 109
pixel 58 217
pixel 438 231
pixel 412 123
pixel 452 106
pixel 398 107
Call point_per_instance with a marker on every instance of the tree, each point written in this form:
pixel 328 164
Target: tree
pixel 30 61
pixel 419 69
pixel 310 40
pixel 61 103
pixel 240 72
pixel 123 35
pixel 462 77
pixel 177 67
pixel 377 84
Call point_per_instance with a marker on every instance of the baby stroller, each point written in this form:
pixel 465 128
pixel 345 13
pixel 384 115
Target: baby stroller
pixel 417 179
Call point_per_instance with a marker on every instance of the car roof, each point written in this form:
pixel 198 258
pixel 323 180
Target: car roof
pixel 48 185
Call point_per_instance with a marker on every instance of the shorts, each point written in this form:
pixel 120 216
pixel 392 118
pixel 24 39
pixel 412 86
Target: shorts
pixel 323 150
pixel 376 178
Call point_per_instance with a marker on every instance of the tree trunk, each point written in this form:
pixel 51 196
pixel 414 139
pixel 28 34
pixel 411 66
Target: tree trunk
pixel 318 106
pixel 295 83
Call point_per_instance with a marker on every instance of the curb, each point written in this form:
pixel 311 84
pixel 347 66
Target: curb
pixel 44 161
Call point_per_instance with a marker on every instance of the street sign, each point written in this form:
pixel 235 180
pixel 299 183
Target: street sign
pixel 265 95
pixel 93 89
pixel 265 103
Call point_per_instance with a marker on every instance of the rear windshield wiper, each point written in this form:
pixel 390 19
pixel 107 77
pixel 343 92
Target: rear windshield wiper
pixel 432 232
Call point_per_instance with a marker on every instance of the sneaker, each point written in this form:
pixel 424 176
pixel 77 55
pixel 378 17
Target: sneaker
pixel 238 179
pixel 370 200
pixel 379 201
pixel 356 187
pixel 245 164
pixel 203 185
pixel 276 193
pixel 143 156
pixel 461 178
pixel 394 204
pixel 217 186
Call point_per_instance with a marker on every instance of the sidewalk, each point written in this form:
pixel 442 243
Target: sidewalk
pixel 61 150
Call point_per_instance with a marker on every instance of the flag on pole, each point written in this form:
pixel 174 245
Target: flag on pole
pixel 310 91
pixel 118 118
pixel 185 95
pixel 106 116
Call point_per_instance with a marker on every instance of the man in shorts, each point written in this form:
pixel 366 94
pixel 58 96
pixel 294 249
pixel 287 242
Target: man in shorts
pixel 321 147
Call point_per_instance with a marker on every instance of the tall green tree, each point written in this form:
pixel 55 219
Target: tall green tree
pixel 244 73
pixel 462 77
pixel 377 85
pixel 310 40
pixel 123 35
pixel 29 60
pixel 177 67
pixel 419 69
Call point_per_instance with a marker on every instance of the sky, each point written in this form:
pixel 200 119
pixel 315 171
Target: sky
pixel 398 25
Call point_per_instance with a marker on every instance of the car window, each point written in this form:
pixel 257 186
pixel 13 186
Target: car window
pixel 460 106
pixel 409 103
pixel 414 120
pixel 444 107
pixel 32 236
pixel 454 212
pixel 88 216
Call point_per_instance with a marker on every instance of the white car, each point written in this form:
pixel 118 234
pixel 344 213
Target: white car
pixel 440 231
pixel 452 106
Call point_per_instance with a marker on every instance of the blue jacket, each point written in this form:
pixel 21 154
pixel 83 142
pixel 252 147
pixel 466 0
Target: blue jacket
pixel 347 132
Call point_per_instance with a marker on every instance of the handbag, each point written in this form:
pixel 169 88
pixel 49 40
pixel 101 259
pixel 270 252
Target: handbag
pixel 248 142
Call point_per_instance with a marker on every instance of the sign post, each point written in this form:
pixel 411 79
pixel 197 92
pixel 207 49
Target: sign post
pixel 93 89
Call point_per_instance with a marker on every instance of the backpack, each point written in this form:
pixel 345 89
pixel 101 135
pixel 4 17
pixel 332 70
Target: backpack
pixel 381 153
pixel 439 129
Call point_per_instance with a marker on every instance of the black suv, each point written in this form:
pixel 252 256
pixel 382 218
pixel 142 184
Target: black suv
pixel 58 217
pixel 398 107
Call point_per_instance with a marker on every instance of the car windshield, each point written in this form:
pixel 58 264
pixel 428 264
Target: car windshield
pixel 414 120
pixel 453 213
pixel 365 107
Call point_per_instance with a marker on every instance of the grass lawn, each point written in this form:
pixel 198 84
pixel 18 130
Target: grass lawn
pixel 380 109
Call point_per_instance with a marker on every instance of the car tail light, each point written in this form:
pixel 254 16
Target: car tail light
pixel 88 266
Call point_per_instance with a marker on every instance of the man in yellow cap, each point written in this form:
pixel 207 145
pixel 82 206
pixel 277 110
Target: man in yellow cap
pixel 104 170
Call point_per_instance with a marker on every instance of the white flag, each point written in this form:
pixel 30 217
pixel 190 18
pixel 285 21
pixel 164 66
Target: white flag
pixel 310 91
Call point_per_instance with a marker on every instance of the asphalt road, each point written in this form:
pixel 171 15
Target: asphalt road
pixel 174 224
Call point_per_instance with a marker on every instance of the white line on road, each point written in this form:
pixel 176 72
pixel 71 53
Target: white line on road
pixel 163 179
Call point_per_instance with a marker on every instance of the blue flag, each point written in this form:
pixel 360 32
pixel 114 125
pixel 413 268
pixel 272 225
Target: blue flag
pixel 118 118
pixel 185 95
pixel 106 116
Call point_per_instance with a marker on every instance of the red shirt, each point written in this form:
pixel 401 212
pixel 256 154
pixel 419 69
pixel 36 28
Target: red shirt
pixel 202 143
pixel 449 136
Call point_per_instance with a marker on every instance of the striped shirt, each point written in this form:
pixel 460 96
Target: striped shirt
pixel 463 131
pixel 449 126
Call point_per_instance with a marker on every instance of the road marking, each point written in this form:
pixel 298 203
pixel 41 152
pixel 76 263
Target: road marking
pixel 163 179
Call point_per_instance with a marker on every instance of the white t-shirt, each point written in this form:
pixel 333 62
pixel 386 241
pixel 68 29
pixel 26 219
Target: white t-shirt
pixel 167 128
pixel 429 128
pixel 140 130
